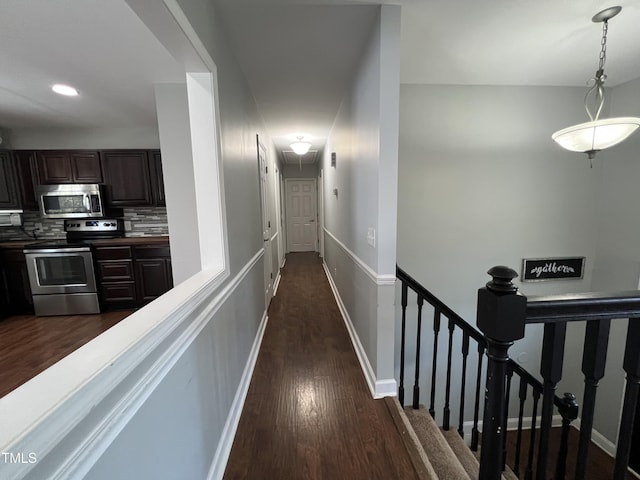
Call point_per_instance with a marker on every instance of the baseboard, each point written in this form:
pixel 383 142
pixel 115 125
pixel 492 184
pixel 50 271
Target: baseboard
pixel 276 284
pixel 219 464
pixel 512 424
pixel 367 370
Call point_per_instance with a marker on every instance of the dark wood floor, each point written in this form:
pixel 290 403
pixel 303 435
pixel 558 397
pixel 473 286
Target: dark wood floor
pixel 309 413
pixel 599 464
pixel 30 344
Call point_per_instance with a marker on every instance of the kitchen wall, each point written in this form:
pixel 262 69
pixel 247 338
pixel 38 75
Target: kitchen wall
pixel 145 222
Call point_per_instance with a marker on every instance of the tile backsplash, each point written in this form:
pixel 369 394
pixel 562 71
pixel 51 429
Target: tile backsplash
pixel 144 222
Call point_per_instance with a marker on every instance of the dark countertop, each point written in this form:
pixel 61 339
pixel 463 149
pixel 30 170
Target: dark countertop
pixel 158 240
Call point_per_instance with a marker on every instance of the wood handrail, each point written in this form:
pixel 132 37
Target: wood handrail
pixel 574 307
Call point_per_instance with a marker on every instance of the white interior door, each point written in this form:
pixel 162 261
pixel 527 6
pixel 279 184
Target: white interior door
pixel 302 213
pixel 266 223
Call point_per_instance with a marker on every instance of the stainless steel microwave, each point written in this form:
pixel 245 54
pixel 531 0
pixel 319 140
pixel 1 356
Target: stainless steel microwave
pixel 71 201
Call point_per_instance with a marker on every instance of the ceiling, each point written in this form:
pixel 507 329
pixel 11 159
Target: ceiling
pixel 298 55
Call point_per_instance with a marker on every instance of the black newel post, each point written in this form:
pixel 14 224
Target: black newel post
pixel 501 318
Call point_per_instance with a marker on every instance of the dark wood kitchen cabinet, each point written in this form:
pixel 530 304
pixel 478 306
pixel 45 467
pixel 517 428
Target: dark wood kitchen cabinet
pixel 153 271
pixel 26 178
pixel 134 274
pixel 68 166
pixel 115 276
pixel 15 280
pixel 8 189
pixel 127 176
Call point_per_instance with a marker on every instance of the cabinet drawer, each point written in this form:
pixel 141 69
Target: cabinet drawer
pixel 118 292
pixel 152 251
pixel 113 253
pixel 115 271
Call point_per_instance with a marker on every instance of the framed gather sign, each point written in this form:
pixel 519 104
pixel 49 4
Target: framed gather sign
pixel 540 269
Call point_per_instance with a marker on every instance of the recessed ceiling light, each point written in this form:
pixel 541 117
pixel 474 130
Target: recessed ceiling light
pixel 64 90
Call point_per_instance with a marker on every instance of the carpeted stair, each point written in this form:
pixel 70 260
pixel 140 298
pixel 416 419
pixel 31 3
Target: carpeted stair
pixel 438 454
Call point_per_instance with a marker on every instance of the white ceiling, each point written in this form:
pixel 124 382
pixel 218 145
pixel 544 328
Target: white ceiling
pixel 99 47
pixel 298 55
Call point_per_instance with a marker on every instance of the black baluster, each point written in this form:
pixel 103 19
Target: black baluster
pixel 446 417
pixel 532 436
pixel 594 358
pixel 522 396
pixel 416 385
pixel 463 382
pixel 434 363
pixel 405 289
pixel 506 415
pixel 551 371
pixel 475 434
pixel 569 412
pixel 632 368
pixel 501 318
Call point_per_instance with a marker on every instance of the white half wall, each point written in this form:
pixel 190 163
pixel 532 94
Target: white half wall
pixel 360 197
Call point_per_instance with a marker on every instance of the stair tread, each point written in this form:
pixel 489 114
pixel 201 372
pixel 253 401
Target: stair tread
pixel 418 456
pixel 507 473
pixel 463 452
pixel 441 455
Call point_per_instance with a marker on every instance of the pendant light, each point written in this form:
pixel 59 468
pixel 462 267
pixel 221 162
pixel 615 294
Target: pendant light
pixel 300 147
pixel 596 135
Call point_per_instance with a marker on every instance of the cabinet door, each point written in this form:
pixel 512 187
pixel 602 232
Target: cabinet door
pixel 127 177
pixel 25 162
pixel 68 166
pixel 152 278
pixel 54 167
pixel 18 288
pixel 8 191
pixel 85 167
pixel 157 180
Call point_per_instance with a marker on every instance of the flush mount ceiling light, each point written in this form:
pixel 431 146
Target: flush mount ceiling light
pixel 65 90
pixel 300 147
pixel 596 135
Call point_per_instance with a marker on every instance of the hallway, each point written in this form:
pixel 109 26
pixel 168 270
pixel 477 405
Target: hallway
pixel 308 412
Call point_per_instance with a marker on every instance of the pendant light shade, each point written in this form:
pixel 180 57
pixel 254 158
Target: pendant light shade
pixel 591 137
pixel 596 135
pixel 300 147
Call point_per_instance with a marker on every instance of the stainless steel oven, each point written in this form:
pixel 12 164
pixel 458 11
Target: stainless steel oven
pixel 61 272
pixel 62 278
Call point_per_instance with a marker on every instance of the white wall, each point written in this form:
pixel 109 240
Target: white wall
pixel 363 137
pixel 481 183
pixel 84 138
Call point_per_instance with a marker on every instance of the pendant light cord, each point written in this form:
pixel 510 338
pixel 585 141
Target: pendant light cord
pixel 597 89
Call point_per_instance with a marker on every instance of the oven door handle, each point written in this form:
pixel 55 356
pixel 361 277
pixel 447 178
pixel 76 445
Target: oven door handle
pixel 87 202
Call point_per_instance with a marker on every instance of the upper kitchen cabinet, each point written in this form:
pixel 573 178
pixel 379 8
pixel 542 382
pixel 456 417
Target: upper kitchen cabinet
pixel 127 177
pixel 157 181
pixel 74 166
pixel 8 191
pixel 25 166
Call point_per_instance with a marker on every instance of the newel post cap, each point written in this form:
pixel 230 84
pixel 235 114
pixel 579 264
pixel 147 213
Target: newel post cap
pixel 502 279
pixel 501 308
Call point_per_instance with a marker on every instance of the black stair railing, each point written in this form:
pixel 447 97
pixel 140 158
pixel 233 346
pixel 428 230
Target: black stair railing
pixel 502 315
pixel 529 390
